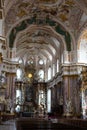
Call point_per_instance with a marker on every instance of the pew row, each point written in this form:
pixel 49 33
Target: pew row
pixel 41 124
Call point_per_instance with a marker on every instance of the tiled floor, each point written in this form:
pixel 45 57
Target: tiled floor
pixel 8 125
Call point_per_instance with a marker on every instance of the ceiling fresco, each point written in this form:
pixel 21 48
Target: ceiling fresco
pixel 62 20
pixel 30 8
pixel 23 25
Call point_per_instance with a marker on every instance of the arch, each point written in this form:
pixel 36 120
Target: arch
pixel 52 23
pixel 54 38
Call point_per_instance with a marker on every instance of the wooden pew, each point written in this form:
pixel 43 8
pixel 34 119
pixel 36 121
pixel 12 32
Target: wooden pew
pixel 41 124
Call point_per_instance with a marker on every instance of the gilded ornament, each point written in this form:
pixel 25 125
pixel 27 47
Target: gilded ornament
pixel 69 2
pixel 63 17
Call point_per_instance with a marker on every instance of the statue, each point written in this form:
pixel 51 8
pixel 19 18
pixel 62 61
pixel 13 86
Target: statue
pixel 69 108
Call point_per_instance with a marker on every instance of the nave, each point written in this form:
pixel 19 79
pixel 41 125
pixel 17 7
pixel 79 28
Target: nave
pixel 43 64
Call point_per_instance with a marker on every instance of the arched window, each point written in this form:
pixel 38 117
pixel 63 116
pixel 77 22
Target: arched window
pixel 53 69
pixel 20 61
pixel 57 65
pixel 19 73
pixel 49 73
pixel 49 100
pixel 41 74
pixel 30 61
pixel 41 62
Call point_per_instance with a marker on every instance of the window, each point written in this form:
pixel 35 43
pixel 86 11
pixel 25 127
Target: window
pixel 41 74
pixel 20 61
pixel 49 73
pixel 49 100
pixel 57 65
pixel 41 62
pixel 19 74
pixel 30 62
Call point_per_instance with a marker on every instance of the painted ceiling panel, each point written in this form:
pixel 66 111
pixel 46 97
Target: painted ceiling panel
pixel 44 25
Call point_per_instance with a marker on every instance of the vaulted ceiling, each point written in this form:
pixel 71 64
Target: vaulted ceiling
pixel 43 28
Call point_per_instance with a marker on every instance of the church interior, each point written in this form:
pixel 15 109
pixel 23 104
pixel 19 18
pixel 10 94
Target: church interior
pixel 43 63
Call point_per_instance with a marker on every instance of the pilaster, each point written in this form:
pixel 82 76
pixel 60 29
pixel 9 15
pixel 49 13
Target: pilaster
pixel 71 89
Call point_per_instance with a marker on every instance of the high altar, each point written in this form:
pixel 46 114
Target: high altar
pixel 33 98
